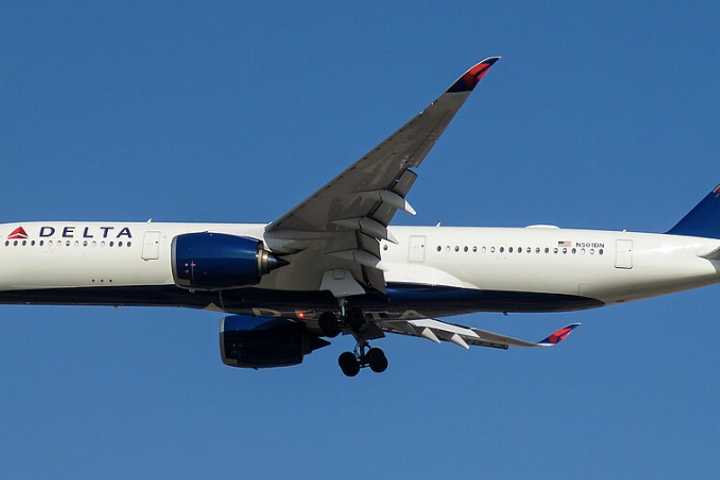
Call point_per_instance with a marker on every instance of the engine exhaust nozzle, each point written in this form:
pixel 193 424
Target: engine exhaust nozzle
pixel 267 262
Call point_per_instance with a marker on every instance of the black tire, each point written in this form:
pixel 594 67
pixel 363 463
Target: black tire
pixel 349 364
pixel 329 325
pixel 376 360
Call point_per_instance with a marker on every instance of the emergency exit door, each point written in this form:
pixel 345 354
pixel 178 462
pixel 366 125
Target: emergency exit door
pixel 624 254
pixel 416 249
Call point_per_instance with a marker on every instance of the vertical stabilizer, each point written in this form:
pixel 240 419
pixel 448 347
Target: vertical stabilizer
pixel 703 220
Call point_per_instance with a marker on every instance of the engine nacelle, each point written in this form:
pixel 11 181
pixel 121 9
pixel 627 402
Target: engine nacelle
pixel 247 341
pixel 214 261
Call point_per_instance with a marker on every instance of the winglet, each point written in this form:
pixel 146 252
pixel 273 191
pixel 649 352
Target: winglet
pixel 558 336
pixel 468 80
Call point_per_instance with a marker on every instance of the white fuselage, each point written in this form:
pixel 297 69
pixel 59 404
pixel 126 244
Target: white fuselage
pixel 606 266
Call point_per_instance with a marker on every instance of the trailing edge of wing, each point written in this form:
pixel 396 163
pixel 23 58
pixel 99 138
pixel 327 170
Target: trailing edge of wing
pixel 465 337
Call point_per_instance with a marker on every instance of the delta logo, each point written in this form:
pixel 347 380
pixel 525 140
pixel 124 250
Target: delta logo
pixel 18 234
pixel 74 232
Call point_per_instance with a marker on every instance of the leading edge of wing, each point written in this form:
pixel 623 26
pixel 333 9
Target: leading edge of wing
pixel 472 76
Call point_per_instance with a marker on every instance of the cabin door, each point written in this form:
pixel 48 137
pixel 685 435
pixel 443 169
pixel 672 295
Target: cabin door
pixel 151 246
pixel 624 254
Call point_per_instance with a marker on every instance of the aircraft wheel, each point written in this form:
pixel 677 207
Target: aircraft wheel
pixel 377 360
pixel 349 364
pixel 329 325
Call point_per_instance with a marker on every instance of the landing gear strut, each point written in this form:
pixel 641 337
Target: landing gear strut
pixel 363 356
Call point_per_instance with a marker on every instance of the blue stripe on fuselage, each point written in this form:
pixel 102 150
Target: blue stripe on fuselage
pixel 425 299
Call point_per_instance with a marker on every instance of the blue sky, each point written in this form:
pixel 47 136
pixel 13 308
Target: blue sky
pixel 601 114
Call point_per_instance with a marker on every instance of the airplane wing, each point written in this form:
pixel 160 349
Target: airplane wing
pixel 438 331
pixel 343 222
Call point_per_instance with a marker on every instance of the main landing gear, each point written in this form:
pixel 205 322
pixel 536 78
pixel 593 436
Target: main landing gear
pixel 363 356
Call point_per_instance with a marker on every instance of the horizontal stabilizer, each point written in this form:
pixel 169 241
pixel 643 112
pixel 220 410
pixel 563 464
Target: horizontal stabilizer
pixel 465 337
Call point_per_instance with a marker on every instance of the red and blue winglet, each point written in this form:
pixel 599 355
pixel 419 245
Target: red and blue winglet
pixel 558 336
pixel 469 79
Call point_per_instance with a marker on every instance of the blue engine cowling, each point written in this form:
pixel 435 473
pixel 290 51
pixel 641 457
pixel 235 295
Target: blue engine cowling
pixel 247 341
pixel 214 261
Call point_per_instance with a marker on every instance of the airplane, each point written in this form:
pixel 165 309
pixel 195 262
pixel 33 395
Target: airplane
pixel 333 264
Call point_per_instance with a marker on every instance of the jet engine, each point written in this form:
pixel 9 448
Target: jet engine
pixel 247 341
pixel 214 261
